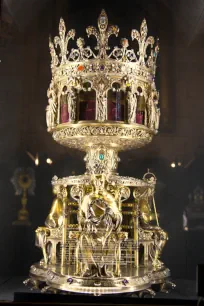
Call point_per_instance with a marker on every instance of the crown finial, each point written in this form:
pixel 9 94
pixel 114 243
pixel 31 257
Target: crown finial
pixel 62 42
pixel 143 41
pixel 102 35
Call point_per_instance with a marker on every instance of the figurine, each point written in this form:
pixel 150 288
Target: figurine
pixel 54 219
pixel 159 235
pixel 98 211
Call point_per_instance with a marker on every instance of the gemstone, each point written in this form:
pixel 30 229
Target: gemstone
pixel 101 156
pixel 70 280
pixel 103 20
pixel 125 282
pixel 102 67
pixel 80 68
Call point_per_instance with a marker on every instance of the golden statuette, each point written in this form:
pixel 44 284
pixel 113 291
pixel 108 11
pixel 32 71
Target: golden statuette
pixel 102 235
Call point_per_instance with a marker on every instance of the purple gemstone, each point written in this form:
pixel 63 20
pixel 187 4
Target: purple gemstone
pixel 125 282
pixel 102 67
pixel 70 280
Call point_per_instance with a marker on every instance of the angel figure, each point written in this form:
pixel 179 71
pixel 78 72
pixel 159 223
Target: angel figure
pixel 132 106
pixel 153 111
pixel 51 108
pixel 71 101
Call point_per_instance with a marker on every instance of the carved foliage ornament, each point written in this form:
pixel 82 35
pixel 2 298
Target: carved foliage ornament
pixel 102 35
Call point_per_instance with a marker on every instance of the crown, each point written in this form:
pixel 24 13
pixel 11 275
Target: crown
pixel 103 85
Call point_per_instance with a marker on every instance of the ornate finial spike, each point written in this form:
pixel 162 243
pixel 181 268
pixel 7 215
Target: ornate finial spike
pixel 62 28
pixel 143 29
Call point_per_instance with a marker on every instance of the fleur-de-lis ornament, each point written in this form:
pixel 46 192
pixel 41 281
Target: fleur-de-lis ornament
pixel 102 35
pixel 143 41
pixel 63 40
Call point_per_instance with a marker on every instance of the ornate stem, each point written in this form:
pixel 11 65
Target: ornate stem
pixel 101 159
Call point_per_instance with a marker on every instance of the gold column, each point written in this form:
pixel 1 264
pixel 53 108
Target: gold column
pixel 64 228
pixel 136 234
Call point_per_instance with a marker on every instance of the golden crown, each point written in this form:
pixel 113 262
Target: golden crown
pixel 117 85
pixel 144 65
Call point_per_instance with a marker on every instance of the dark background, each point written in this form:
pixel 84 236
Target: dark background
pixel 24 78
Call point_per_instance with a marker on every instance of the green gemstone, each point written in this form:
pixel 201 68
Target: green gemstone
pixel 101 156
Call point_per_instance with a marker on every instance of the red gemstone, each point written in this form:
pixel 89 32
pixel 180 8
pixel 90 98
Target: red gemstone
pixel 80 68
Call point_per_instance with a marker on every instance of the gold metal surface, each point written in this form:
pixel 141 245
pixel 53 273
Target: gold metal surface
pixel 108 244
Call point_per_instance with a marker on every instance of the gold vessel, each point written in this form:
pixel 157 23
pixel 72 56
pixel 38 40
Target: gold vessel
pixel 102 235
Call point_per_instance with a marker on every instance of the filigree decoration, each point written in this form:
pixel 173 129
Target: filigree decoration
pixel 123 53
pixel 111 179
pixel 102 35
pixel 71 180
pixel 81 53
pixel 102 131
pixel 126 181
pixel 124 136
pixel 143 41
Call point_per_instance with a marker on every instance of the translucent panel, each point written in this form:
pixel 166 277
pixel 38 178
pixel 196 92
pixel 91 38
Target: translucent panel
pixel 87 103
pixel 64 114
pixel 116 102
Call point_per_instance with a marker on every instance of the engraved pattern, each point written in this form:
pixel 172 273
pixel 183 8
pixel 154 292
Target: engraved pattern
pixel 124 136
pixel 111 179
